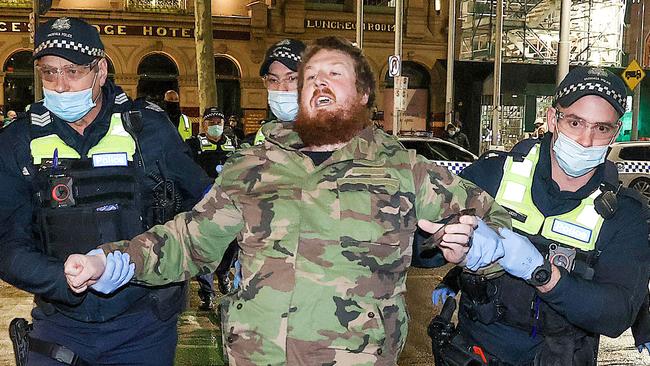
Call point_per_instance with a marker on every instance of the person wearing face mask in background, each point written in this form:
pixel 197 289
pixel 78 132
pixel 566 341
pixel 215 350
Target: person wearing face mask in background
pixel 210 149
pixel 576 261
pixel 179 120
pixel 280 74
pixel 84 165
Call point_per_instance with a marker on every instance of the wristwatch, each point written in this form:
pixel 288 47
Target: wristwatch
pixel 541 275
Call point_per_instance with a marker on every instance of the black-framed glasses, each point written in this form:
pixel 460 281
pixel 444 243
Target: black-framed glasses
pixel 70 72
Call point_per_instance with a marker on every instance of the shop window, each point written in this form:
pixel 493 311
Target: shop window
pixel 19 81
pixel 157 73
pixel 227 76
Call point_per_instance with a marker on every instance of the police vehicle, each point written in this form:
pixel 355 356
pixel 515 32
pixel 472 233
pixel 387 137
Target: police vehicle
pixel 632 159
pixel 442 152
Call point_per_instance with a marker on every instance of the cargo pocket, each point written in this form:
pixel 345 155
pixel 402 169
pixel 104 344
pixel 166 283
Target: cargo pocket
pixel 363 326
pixel 369 209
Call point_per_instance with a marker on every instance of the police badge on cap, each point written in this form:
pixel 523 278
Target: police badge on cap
pixel 70 38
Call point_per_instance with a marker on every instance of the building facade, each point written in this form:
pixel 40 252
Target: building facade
pixel 602 33
pixel 150 48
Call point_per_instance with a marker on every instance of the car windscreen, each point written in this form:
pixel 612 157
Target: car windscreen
pixel 434 150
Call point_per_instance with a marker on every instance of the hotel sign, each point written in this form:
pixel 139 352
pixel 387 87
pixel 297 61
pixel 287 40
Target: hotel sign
pixel 14 26
pixel 348 25
pixel 136 30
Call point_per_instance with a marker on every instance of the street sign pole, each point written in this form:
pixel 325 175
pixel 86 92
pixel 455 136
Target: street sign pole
pixel 636 99
pixel 496 91
pixel 451 42
pixel 399 5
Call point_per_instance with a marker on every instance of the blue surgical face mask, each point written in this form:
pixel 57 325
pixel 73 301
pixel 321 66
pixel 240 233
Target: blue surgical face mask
pixel 284 104
pixel 70 106
pixel 575 159
pixel 215 130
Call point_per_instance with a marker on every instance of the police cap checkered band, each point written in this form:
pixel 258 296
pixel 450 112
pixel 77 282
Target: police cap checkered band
pixel 213 112
pixel 582 81
pixel 70 38
pixel 288 52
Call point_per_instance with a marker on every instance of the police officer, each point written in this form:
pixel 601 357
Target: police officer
pixel 280 74
pixel 576 263
pixel 179 120
pixel 87 164
pixel 210 149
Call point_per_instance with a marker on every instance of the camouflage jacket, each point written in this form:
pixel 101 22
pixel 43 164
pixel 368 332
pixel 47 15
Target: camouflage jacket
pixel 324 249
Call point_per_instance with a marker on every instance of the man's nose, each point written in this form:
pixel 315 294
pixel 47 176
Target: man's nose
pixel 320 79
pixel 61 83
pixel 586 137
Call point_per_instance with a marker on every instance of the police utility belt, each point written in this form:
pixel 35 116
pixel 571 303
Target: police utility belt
pixel 567 240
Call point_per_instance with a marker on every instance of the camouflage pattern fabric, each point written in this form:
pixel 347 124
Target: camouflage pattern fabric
pixel 324 249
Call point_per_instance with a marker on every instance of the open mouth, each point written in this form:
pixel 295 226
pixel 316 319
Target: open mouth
pixel 323 101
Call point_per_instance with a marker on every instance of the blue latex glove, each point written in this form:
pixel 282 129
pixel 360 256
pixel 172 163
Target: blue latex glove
pixel 116 274
pixel 237 280
pixel 521 257
pixel 441 293
pixel 486 247
pixel 645 346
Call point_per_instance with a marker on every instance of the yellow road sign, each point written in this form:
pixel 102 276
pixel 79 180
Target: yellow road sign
pixel 633 74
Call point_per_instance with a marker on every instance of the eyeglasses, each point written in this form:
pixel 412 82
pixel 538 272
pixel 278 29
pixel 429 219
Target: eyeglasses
pixel 574 127
pixel 70 72
pixel 273 82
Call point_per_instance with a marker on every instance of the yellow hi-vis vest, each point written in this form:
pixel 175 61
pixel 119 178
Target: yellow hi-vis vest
pixel 117 139
pixel 578 228
pixel 184 127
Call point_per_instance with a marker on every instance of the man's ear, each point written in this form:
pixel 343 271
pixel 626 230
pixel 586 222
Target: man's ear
pixel 103 71
pixel 551 119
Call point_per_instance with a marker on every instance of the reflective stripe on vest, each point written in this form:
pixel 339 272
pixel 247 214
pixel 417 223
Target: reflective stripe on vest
pixel 578 228
pixel 115 140
pixel 228 146
pixel 259 137
pixel 184 128
pixel 206 145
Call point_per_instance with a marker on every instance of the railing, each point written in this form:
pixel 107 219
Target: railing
pixel 157 6
pixel 16 4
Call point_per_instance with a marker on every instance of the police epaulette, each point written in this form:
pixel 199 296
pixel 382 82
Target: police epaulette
pixel 148 105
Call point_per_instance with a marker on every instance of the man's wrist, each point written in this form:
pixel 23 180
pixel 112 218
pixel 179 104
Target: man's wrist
pixel 541 275
pixel 555 278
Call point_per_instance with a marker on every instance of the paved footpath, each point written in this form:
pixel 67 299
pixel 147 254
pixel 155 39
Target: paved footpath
pixel 200 337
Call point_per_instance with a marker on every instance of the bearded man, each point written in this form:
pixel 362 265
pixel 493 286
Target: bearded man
pixel 324 212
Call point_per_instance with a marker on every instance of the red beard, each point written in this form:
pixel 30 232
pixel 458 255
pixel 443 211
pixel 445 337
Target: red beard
pixel 331 127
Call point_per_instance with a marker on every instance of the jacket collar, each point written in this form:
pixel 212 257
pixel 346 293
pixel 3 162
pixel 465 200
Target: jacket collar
pixel 364 146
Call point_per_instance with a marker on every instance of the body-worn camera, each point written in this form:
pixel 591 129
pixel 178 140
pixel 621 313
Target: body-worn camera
pixel 561 256
pixel 61 191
